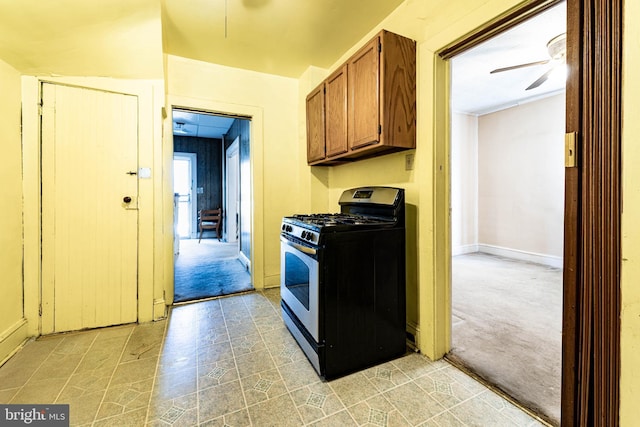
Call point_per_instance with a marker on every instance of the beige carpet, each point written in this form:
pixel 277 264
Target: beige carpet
pixel 507 327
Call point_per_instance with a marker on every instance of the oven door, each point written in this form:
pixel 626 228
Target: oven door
pixel 299 283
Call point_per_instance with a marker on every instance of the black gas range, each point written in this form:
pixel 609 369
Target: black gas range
pixel 343 281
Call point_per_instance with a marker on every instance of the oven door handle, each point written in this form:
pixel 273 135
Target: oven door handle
pixel 304 249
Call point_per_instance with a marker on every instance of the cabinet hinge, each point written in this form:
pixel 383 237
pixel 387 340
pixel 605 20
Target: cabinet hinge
pixel 379 47
pixel 40 310
pixel 379 129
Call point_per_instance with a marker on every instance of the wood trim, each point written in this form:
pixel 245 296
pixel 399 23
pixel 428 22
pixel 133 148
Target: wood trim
pixel 572 311
pixel 591 325
pixel 502 23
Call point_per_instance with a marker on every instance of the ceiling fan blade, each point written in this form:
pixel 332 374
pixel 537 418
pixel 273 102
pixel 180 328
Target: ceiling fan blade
pixel 543 78
pixel 515 67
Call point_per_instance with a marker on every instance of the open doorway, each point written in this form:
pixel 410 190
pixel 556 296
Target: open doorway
pixel 507 210
pixel 211 256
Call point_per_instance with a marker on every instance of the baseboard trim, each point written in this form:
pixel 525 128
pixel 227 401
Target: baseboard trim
pixel 272 281
pixel 548 260
pixel 12 340
pixel 245 261
pixel 464 249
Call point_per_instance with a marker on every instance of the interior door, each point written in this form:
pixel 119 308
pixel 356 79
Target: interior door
pixel 89 208
pixel 233 190
pixel 185 178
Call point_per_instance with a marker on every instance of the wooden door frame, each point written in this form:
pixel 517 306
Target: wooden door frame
pixel 592 237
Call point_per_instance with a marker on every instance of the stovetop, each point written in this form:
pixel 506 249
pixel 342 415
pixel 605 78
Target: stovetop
pixel 327 220
pixel 361 209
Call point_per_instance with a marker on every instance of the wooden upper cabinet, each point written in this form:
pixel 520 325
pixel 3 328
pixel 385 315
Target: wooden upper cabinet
pixel 315 125
pixel 336 113
pixel 369 104
pixel 364 95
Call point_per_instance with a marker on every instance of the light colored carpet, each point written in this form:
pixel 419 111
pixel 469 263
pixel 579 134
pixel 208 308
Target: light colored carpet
pixel 507 327
pixel 208 269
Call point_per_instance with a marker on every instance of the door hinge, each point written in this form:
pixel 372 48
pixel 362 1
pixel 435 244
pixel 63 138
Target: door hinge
pixel 570 146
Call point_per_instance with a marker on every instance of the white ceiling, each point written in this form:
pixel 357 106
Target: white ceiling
pixel 187 123
pixel 476 91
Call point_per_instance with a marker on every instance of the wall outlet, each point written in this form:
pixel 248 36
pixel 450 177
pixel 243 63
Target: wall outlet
pixel 408 161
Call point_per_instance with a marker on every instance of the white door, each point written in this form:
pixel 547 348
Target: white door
pixel 233 190
pixel 184 186
pixel 89 208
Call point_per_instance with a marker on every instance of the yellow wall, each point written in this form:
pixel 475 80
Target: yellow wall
pixel 284 184
pixel 12 324
pixel 272 103
pixel 630 316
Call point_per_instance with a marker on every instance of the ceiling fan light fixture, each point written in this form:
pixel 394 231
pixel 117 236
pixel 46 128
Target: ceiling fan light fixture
pixel 557 46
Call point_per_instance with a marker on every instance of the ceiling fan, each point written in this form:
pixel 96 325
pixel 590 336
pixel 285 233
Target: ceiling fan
pixel 557 48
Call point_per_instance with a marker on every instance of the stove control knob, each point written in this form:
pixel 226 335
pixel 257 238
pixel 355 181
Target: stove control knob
pixel 304 235
pixel 289 228
pixel 311 237
pixel 283 227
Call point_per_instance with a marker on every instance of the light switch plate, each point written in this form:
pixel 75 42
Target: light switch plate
pixel 144 173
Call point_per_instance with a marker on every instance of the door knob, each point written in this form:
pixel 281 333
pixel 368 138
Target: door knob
pixel 126 199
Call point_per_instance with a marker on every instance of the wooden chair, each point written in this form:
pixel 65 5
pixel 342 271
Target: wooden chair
pixel 209 219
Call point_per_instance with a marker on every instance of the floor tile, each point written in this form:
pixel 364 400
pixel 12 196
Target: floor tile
pixel 247 344
pixel 132 418
pixel 253 363
pixel 298 374
pixel 415 365
pixel 175 383
pixel 443 388
pixel 342 419
pixel 214 353
pixel 476 412
pixel 190 370
pixel 276 412
pixel 181 411
pixel 386 376
pixel 217 373
pixel 377 411
pixel 353 388
pixel 263 386
pixel 235 419
pixel 216 401
pixel 316 401
pixel 415 405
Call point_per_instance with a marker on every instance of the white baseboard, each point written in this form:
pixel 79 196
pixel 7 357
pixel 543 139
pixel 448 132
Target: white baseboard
pixel 464 249
pixel 548 260
pixel 245 261
pixel 12 339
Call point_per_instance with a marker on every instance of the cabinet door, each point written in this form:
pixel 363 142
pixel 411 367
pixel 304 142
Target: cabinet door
pixel 336 112
pixel 364 95
pixel 315 125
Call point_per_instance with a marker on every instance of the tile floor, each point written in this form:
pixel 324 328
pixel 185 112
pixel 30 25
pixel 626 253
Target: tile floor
pixel 231 362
